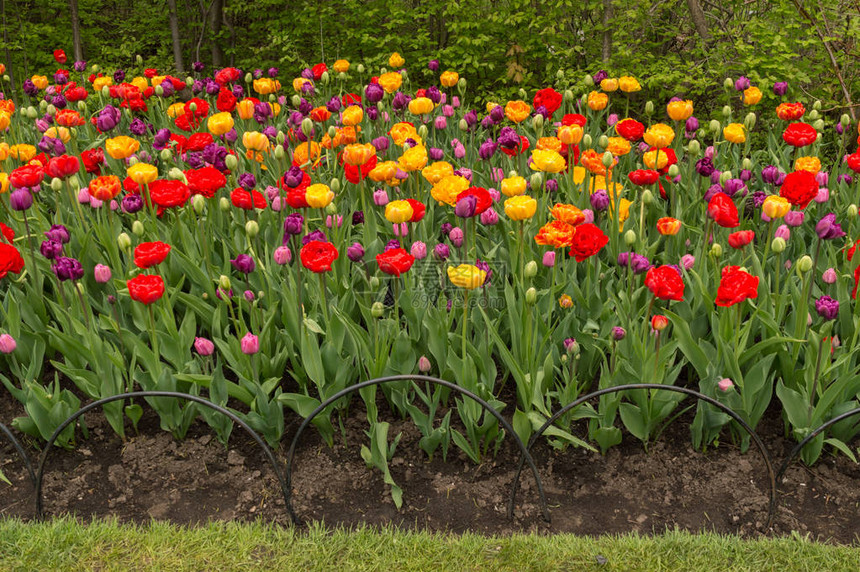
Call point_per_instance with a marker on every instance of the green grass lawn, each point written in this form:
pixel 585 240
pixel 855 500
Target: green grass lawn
pixel 64 544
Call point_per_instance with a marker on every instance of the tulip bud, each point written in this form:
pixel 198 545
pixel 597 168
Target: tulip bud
pixel 106 92
pixel 334 185
pixel 424 364
pixel 522 93
pixel 463 125
pixel 588 80
pixel 716 250
pixel 6 78
pixel 359 68
pixel 714 126
pixel 536 180
pixel 159 91
pixel 341 76
pixel 32 113
pixel 281 137
pixel 694 148
pixel 603 141
pixel 137 228
pixel 380 107
pixel 279 152
pixel 198 203
pixel 331 209
pixel 829 276
pixel 192 106
pixel 673 171
pixel 252 228
pixel 224 204
pixel 377 310
pixel 82 106
pixel 630 237
pixel 777 244
pixel 166 154
pixel 530 269
pixel 725 176
pixel 75 183
pixel 52 110
pixel 248 77
pixel 224 282
pixel 727 112
pixel 817 105
pixel 845 120
pixel 56 184
pixel 647 197
pixel 296 100
pixel 608 159
pixel 537 121
pixel 586 141
pixel 422 131
pixel 559 74
pixel 852 210
pixel 325 78
pixel 804 264
pixel 749 121
pixel 43 105
pixel 649 108
pixel 818 124
pixel 138 58
pixel 176 174
pixel 189 80
pixel 132 161
pixel 747 164
pixel 124 240
pixel 531 295
pixel 231 162
pixel 568 95
pixel 374 283
pixel 307 126
pixel 728 83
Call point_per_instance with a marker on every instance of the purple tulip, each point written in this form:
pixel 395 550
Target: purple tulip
pixel 243 263
pixel 827 307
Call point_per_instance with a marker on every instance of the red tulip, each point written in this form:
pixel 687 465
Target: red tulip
pixel 588 240
pixel 145 288
pixel 643 177
pixel 395 261
pixel 723 211
pixel 800 134
pixel 736 286
pixel 10 259
pixel 317 256
pixel 248 200
pixel 665 283
pixel 149 254
pixel 60 56
pixel 799 188
pixel 741 238
pixel 63 166
pixel 27 176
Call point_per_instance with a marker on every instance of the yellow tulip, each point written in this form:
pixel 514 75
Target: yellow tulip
pixel 520 208
pixel 352 115
pixel 383 172
pixel 597 101
pixel 4 183
pixel 4 151
pixel 570 134
pixel 680 110
pixel 628 84
pixel 340 66
pixel 306 152
pixel 513 186
pixel 398 211
pixel 402 131
pixel 435 172
pixel 298 83
pixel 656 159
pixel 245 108
pixel 142 173
pixel 5 120
pixel 517 111
pixel 547 161
pixel 220 123
pixel 176 110
pixel 23 152
pixel 390 81
pixel 811 164
pixel 156 80
pixel 396 60
pixel 548 144
pixel 40 81
pixel 447 189
pixel 318 196
pixel 421 106
pixel 752 95
pixel 618 146
pixel 265 85
pixel 775 206
pixel 358 154
pixel 61 133
pixel 140 83
pixel 466 276
pixel 255 141
pixel 449 78
pixel 101 82
pixel 609 84
pixel 413 159
pixel 659 135
pixel 735 133
pixel 121 147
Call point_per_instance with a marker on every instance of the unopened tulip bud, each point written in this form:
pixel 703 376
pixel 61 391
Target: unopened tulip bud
pixel 82 106
pixel 588 80
pixel 852 210
pixel 463 125
pixel 749 121
pixel 568 95
pixel 252 228
pixel 101 273
pixel 630 237
pixel 603 141
pixel 845 120
pixel 559 74
pixel 374 283
pixel 224 204
pixel 522 93
pixel 673 171
pixel 725 176
pixel 296 100
pixel 531 269
pixel 279 152
pixel 422 131
pixel 778 244
pixel 159 91
pixel 176 174
pixel 166 154
pixel 341 76
pixel 716 250
pixel 694 148
pixel 818 124
pixel 132 161
pixel 325 78
pixel 424 364
pixel 537 121
pixel 531 295
pixel 307 126
pixel 549 259
pixel 198 203
pixel 56 184
pixel 817 105
pixel 43 105
pixel 714 126
pixel 728 83
pixel 7 344
pixel 804 264
pixel 647 197
pixel 649 108
pixel 586 141
pixel 32 113
pixel 137 228
pixel 377 310
pixel 725 384
pixel 124 241
pixel 51 110
pixel 608 159
pixel 536 180
pixel 224 282
pixel 829 276
pixel 359 68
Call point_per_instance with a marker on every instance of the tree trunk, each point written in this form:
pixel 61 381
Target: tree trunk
pixel 76 30
pixel 607 31
pixel 699 21
pixel 177 42
pixel 216 15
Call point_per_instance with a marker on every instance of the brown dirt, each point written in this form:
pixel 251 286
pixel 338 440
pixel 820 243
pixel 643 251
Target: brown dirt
pixel 152 476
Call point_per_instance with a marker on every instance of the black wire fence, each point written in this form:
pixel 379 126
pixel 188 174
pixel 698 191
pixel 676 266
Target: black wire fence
pixel 284 476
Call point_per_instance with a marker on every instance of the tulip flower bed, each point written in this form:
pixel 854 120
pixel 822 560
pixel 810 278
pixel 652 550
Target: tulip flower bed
pixel 270 245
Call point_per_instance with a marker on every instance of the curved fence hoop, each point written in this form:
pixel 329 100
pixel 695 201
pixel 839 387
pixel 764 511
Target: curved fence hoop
pixel 21 452
pixel 525 456
pixel 187 397
pixel 691 392
pixel 817 431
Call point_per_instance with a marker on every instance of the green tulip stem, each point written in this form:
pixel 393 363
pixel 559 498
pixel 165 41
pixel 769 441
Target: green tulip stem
pixel 815 377
pixel 465 321
pixel 153 338
pixel 325 298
